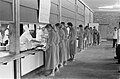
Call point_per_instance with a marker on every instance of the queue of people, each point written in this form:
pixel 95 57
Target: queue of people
pixel 61 44
pixel 60 40
pixel 87 37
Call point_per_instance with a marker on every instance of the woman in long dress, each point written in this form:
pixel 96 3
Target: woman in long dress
pixel 72 41
pixel 50 54
pixel 65 41
pixel 94 35
pixel 80 38
pixel 62 50
pixel 57 41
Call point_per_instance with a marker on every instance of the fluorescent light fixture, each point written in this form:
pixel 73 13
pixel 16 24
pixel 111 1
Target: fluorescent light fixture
pixel 106 7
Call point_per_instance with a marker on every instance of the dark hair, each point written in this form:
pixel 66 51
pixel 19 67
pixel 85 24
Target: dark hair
pixel 63 23
pixel 58 25
pixel 80 26
pixel 48 26
pixel 90 27
pixel 70 24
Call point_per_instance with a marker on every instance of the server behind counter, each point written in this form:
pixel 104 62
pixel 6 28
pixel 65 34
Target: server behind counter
pixel 26 39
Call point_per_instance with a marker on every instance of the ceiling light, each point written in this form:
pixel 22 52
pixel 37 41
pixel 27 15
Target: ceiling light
pixel 110 7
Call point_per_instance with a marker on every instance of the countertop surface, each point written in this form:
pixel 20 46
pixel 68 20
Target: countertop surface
pixel 5 57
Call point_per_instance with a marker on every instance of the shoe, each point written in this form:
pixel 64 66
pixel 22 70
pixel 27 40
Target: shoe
pixel 61 65
pixel 65 63
pixel 73 60
pixel 119 71
pixel 52 74
pixel 57 69
pixel 115 57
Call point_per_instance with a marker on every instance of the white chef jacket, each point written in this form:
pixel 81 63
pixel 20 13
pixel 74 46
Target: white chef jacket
pixel 25 41
pixel 0 37
pixel 115 34
pixel 118 36
pixel 25 37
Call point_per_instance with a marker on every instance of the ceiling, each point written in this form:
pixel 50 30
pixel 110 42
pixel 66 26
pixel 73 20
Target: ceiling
pixel 104 4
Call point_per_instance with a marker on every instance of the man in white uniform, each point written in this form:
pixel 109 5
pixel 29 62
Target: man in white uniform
pixel 114 37
pixel 26 39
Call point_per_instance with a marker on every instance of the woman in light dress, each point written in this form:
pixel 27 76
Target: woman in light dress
pixel 50 54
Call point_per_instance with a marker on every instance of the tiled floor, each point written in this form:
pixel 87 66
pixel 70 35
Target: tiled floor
pixel 94 63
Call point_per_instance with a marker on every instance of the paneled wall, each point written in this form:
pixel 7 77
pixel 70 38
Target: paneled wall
pixel 68 9
pixel 60 10
pixel 28 10
pixel 80 13
pixel 6 12
pixel 54 11
pixel 91 17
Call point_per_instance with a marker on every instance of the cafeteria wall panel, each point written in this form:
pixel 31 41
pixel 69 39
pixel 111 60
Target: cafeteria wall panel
pixel 81 11
pixel 30 3
pixel 80 17
pixel 80 22
pixel 68 5
pixel 54 8
pixel 7 0
pixel 64 19
pixel 72 1
pixel 91 17
pixel 81 5
pixel 55 1
pixel 67 13
pixel 6 11
pixel 87 12
pixel 54 18
pixel 28 15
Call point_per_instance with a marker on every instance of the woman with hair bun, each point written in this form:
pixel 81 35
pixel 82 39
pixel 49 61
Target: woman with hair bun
pixel 50 54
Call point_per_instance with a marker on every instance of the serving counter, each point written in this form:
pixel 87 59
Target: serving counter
pixel 30 60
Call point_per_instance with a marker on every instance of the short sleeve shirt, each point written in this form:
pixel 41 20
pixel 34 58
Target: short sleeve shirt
pixel 25 37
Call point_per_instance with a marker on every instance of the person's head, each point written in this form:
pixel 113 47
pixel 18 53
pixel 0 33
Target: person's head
pixel 63 23
pixel 119 24
pixel 115 28
pixel 90 28
pixel 43 28
pixel 58 25
pixel 31 28
pixel 70 24
pixel 48 27
pixel 80 26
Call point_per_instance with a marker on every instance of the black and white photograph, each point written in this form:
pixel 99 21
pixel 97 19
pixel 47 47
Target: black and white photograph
pixel 59 39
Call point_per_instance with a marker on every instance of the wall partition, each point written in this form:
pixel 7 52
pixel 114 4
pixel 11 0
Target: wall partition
pixel 81 13
pixel 74 11
pixel 68 11
pixel 28 11
pixel 54 12
pixel 6 10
